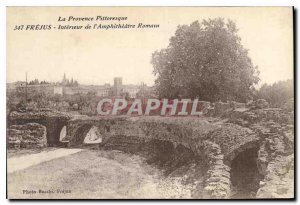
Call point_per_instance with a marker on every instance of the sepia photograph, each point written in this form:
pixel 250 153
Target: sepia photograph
pixel 150 103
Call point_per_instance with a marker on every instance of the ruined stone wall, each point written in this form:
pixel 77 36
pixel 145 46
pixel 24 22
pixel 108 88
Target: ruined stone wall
pixel 53 121
pixel 216 141
pixel 217 184
pixel 274 128
pixel 30 135
pixel 233 129
pixel 190 132
pixel 276 162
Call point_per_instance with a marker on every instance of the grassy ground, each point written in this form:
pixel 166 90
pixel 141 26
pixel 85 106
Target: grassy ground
pixel 95 174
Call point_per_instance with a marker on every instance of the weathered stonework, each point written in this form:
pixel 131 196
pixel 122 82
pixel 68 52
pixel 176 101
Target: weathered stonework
pixel 30 135
pixel 53 121
pixel 276 162
pixel 219 140
pixel 217 184
pixel 190 132
pixel 275 129
pixel 259 104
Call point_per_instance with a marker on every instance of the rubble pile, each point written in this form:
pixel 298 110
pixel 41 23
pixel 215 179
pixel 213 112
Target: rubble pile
pixel 248 117
pixel 276 163
pixel 259 104
pixel 30 135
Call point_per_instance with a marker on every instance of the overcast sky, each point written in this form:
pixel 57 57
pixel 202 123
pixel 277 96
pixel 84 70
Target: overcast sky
pixel 97 56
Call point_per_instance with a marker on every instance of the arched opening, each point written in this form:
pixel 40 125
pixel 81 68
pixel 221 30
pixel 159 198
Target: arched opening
pixel 54 127
pixel 244 174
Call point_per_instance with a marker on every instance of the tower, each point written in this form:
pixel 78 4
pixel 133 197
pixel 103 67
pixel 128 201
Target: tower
pixel 64 80
pixel 117 86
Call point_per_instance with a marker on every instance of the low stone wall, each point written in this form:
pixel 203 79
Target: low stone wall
pixel 30 135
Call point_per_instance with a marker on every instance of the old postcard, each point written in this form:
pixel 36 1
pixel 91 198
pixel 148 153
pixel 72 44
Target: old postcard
pixel 150 103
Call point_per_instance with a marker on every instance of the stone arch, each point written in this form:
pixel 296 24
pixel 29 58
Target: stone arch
pixel 244 172
pixel 80 134
pixel 249 145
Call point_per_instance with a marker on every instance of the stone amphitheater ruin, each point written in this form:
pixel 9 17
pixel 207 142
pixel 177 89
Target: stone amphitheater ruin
pixel 248 151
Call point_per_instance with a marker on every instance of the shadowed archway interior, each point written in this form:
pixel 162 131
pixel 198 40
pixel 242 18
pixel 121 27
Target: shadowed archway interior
pixel 244 175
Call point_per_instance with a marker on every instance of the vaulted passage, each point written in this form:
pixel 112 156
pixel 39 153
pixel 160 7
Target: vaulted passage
pixel 244 174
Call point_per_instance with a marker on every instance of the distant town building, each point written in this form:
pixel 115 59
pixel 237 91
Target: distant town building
pixel 117 88
pixel 45 88
pixel 132 90
pixel 15 85
pixel 67 87
pixel 58 90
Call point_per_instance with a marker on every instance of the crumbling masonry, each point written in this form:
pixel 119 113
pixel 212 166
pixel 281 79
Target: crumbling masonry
pixel 225 136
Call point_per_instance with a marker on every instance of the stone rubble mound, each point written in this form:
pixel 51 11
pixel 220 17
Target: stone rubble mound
pixel 276 159
pixel 30 135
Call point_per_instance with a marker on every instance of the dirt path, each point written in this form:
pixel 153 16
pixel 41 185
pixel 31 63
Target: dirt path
pixel 23 162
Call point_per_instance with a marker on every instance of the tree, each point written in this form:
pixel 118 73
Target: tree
pixel 206 61
pixel 277 94
pixel 14 100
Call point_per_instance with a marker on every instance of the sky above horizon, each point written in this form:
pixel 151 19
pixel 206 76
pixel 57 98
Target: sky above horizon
pixel 97 56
